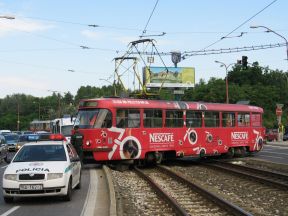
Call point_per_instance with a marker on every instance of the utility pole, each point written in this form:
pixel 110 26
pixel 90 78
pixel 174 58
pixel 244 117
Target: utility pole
pixel 18 117
pixel 39 116
pixel 226 80
pixel 59 101
pixel 59 106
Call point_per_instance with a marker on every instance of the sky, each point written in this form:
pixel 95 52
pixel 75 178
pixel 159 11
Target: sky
pixel 41 50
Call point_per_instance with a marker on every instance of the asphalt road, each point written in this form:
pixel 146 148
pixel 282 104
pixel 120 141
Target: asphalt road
pixel 47 206
pixel 274 152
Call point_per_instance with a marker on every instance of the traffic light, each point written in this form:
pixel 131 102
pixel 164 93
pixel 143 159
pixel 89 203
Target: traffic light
pixel 244 61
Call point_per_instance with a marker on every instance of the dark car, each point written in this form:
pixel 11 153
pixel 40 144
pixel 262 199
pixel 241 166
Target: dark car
pixel 11 140
pixel 3 148
pixel 31 138
pixel 285 137
pixel 271 135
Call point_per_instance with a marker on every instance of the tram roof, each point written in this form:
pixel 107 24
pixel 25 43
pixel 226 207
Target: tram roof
pixel 164 104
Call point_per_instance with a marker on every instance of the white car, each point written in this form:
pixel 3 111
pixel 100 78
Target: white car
pixel 43 168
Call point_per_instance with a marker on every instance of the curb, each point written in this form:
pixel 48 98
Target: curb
pixel 112 210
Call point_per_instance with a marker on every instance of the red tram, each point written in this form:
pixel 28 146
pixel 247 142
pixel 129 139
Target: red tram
pixel 122 128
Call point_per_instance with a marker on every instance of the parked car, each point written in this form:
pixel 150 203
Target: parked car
pixel 11 139
pixel 27 132
pixel 25 139
pixel 285 137
pixel 271 135
pixel 3 148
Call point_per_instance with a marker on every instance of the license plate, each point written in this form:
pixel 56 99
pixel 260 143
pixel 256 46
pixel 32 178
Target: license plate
pixel 31 187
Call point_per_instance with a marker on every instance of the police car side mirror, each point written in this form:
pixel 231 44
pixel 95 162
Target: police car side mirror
pixel 7 160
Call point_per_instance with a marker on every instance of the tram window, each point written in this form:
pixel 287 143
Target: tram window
pixel 243 119
pixel 174 118
pixel 128 118
pixel 104 119
pixel 256 119
pixel 228 119
pixel 193 118
pixel 211 119
pixel 152 118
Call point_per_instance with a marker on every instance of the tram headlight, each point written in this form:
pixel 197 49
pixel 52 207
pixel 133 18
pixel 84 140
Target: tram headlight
pixel 88 143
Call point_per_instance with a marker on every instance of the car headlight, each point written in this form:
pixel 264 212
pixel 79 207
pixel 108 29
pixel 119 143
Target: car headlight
pixel 51 176
pixel 12 177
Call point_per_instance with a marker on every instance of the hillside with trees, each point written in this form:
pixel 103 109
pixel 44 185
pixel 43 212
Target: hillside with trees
pixel 260 86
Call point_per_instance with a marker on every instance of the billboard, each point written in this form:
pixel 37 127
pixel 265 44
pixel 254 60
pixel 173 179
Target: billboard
pixel 171 77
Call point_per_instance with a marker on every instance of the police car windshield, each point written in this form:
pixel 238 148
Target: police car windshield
pixel 47 152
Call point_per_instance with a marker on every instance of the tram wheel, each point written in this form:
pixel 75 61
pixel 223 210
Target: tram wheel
pixel 202 153
pixel 158 157
pixel 230 153
pixel 243 151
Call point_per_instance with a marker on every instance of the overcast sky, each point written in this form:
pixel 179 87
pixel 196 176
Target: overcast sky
pixel 40 50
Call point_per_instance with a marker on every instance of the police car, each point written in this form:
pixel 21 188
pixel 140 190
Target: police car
pixel 43 168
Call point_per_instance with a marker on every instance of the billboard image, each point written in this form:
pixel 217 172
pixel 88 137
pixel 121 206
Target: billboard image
pixel 171 77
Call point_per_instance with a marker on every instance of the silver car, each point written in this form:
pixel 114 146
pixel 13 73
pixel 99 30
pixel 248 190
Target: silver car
pixel 3 148
pixel 11 140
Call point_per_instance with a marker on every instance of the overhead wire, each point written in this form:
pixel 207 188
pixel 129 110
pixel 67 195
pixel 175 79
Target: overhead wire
pixel 86 24
pixel 131 29
pixel 64 41
pixel 43 66
pixel 217 41
pixel 151 14
pixel 217 51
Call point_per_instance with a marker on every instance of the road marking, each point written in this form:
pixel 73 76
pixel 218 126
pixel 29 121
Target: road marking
pixel 10 211
pixel 90 201
pixel 275 152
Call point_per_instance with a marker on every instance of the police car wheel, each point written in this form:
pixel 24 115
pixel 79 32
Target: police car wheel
pixel 68 195
pixel 78 186
pixel 8 199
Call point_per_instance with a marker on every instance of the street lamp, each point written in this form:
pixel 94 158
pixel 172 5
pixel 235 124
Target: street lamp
pixel 18 117
pixel 226 68
pixel 270 30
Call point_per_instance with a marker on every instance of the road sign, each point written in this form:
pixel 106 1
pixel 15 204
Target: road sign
pixel 278 111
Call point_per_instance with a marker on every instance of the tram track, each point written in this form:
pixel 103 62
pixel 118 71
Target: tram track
pixel 270 178
pixel 134 196
pixel 185 197
pixel 257 198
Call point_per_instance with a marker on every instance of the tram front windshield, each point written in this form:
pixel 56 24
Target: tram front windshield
pixel 94 118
